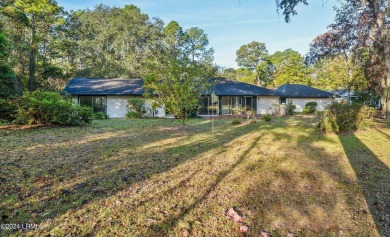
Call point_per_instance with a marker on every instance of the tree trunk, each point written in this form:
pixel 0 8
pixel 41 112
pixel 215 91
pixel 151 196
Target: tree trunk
pixel 386 78
pixel 350 75
pixel 31 79
pixel 381 35
pixel 184 117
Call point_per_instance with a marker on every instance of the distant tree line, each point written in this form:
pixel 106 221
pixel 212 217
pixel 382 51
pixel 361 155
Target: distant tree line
pixel 42 46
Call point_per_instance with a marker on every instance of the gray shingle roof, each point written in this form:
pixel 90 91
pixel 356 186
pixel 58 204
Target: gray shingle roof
pixel 95 86
pixel 228 87
pixel 301 91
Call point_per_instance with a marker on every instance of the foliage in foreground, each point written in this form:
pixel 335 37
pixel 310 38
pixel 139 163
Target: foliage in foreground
pixel 41 107
pixel 135 108
pixel 100 115
pixel 8 110
pixel 266 117
pixel 346 118
pixel 310 108
pixel 290 107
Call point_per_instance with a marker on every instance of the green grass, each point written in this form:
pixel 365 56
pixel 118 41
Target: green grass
pixel 154 177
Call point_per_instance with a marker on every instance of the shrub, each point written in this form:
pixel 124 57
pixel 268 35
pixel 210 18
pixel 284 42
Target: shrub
pixel 310 108
pixel 345 118
pixel 40 107
pixel 84 113
pixel 250 113
pixel 8 109
pixel 278 109
pixel 133 115
pixel 266 117
pixel 135 108
pixel 290 107
pixel 100 115
pixel 236 122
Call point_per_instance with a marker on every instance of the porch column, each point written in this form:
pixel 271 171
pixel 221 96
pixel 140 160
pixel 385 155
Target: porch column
pixel 219 105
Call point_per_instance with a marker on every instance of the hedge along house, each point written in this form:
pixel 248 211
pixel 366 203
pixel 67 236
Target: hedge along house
pixel 300 95
pixel 109 96
pixel 233 96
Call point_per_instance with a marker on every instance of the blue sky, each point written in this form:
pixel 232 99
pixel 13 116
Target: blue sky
pixel 232 23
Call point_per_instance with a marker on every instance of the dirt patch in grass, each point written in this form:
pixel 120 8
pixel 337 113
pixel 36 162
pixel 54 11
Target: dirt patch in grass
pixel 158 178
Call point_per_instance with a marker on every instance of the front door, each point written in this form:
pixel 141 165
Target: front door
pixel 248 103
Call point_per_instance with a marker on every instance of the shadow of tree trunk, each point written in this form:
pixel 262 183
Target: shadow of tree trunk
pixel 374 178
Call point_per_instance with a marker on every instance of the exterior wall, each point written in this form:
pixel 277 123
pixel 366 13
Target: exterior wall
pixel 301 102
pixel 160 110
pixel 116 107
pixel 264 104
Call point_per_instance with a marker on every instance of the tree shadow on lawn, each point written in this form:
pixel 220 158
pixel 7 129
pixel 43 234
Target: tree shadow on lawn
pixel 374 178
pixel 383 133
pixel 32 138
pixel 46 183
pixel 172 221
pixel 307 190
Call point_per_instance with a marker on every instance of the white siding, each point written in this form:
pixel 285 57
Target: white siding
pixel 264 104
pixel 160 110
pixel 116 107
pixel 300 103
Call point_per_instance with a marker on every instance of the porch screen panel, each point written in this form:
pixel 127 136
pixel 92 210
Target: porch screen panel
pixel 226 104
pixel 208 106
pixel 236 104
pixel 213 105
pixel 203 105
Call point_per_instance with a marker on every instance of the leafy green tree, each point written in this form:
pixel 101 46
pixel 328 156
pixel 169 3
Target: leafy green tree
pixel 289 68
pixel 245 75
pixel 175 76
pixel 41 15
pixel 332 74
pixel 9 85
pixel 254 57
pixel 265 72
pixel 197 44
pixel 341 39
pixel 229 73
pixel 111 41
pixel 371 27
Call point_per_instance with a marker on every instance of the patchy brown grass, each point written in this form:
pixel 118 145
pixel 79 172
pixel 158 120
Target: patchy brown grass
pixel 156 178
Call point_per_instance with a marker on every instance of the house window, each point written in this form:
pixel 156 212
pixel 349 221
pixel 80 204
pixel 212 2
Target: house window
pixel 97 103
pixel 283 100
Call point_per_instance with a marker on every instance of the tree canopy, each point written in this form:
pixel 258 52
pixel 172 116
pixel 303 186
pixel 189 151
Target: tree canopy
pixel 179 70
pixel 290 68
pixel 368 20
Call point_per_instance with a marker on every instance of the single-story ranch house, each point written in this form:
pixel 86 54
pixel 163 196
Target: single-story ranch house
pixel 110 96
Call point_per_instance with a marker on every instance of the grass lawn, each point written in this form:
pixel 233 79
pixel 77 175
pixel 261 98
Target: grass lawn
pixel 155 178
